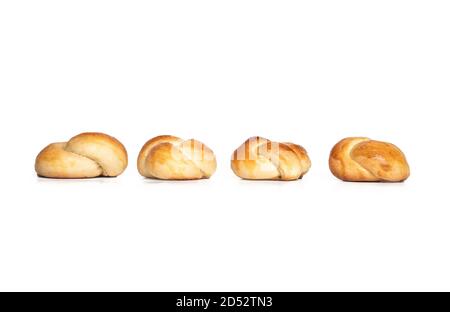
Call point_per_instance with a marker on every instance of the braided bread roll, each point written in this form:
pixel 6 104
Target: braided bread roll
pixel 86 155
pixel 171 158
pixel 366 160
pixel 261 159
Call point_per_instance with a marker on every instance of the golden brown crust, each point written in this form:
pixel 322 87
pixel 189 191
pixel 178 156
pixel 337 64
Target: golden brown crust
pixel 171 158
pixel 261 159
pixel 86 155
pixel 360 159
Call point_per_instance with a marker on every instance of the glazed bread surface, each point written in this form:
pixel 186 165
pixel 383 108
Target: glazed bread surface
pixel 171 158
pixel 86 155
pixel 360 159
pixel 261 159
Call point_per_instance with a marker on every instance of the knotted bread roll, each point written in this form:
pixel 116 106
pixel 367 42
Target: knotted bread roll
pixel 261 159
pixel 366 160
pixel 171 158
pixel 86 155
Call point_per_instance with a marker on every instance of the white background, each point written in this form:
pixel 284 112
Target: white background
pixel 309 72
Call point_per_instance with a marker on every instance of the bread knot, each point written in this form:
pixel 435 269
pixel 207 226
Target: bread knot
pixel 86 155
pixel 365 160
pixel 171 158
pixel 261 159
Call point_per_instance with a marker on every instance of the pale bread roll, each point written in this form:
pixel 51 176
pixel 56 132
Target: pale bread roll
pixel 86 155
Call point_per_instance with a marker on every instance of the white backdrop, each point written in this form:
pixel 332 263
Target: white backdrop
pixel 310 72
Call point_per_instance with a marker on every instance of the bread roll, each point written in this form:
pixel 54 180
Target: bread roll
pixel 86 155
pixel 366 160
pixel 171 158
pixel 261 159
